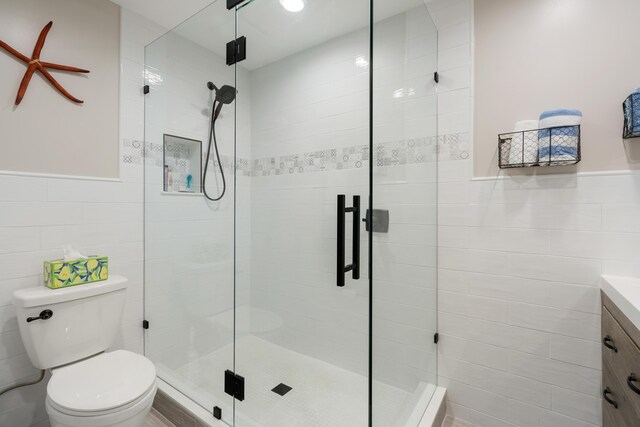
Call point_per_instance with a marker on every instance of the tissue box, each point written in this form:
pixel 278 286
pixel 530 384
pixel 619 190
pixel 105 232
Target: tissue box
pixel 60 273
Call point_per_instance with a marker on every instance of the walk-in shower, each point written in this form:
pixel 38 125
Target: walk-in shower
pixel 252 302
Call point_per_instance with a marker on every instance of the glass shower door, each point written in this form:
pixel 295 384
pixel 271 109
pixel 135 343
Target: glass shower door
pixel 302 327
pixel 405 172
pixel 318 340
pixel 189 240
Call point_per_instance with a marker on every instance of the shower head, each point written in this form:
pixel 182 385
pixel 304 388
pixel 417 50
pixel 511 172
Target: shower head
pixel 225 95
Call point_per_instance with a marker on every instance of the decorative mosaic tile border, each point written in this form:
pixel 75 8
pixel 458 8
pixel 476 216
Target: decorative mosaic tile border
pixel 395 153
pixel 455 146
pixel 134 153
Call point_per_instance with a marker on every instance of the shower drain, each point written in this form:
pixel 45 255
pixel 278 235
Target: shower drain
pixel 281 389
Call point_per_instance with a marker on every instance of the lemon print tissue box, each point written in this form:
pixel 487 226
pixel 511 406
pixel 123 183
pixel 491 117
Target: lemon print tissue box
pixel 61 273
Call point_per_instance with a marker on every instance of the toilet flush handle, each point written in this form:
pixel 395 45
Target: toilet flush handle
pixel 44 315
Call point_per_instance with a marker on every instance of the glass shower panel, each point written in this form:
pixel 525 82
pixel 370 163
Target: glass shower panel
pixel 266 281
pixel 302 340
pixel 404 193
pixel 189 241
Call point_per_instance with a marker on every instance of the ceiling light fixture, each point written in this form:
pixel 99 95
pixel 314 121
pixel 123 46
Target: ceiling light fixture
pixel 292 5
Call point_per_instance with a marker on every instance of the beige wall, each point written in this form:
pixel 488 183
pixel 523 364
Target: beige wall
pixel 47 133
pixel 534 55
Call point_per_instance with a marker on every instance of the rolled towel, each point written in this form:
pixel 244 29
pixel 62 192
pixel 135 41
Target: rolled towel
pixel 524 125
pixel 559 152
pixel 518 152
pixel 558 137
pixel 559 121
pixel 560 112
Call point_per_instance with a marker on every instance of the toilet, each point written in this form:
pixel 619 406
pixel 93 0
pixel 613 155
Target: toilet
pixel 68 331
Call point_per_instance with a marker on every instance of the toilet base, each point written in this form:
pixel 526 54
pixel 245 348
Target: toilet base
pixel 132 416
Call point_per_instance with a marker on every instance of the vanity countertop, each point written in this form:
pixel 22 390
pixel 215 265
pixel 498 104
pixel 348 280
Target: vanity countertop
pixel 625 293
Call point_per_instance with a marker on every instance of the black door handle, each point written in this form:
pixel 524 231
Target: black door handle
pixel 607 391
pixel 631 379
pixel 44 315
pixel 608 342
pixel 354 267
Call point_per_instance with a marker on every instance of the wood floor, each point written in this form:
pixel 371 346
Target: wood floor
pixel 155 419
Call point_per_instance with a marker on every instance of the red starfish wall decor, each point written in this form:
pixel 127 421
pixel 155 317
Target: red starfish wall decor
pixel 34 64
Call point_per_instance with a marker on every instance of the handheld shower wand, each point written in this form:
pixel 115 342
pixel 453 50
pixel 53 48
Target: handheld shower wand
pixel 224 96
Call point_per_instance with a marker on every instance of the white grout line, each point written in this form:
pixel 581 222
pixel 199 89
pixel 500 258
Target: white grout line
pixel 552 176
pixel 56 176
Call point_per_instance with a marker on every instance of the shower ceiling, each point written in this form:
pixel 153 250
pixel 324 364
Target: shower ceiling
pixel 315 24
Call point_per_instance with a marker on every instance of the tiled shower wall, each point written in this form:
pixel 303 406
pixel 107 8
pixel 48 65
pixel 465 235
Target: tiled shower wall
pixel 519 266
pixel 189 250
pixel 311 145
pixel 323 111
pixel 39 214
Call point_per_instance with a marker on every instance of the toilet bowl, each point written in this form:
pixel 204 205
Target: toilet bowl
pixel 110 389
pixel 89 387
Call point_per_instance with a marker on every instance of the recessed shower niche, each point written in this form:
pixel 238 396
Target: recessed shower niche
pixel 182 160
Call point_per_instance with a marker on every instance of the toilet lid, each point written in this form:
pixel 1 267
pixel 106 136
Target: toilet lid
pixel 102 382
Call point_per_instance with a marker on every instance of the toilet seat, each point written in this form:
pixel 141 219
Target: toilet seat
pixel 103 384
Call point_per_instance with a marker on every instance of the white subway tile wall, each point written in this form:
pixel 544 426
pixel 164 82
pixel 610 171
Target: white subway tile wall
pixel 189 241
pixel 40 214
pixel 293 246
pixel 519 267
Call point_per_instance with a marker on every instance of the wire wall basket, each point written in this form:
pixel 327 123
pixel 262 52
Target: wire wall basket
pixel 631 108
pixel 556 146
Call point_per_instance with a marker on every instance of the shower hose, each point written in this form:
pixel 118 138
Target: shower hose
pixel 215 112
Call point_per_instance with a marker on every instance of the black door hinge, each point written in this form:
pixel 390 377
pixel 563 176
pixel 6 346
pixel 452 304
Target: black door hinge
pixel 234 385
pixel 233 3
pixel 237 50
pixel 436 77
pixel 436 338
pixel 145 89
pixel 217 413
pixel 145 324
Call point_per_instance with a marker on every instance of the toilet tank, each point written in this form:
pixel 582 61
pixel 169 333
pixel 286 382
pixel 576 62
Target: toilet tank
pixel 85 320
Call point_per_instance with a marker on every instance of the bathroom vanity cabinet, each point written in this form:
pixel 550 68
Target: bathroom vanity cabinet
pixel 620 367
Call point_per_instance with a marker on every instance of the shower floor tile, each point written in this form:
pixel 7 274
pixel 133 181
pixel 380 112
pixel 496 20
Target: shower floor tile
pixel 322 395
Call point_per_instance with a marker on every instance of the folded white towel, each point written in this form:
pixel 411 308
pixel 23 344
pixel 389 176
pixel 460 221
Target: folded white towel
pixel 525 125
pixel 518 152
